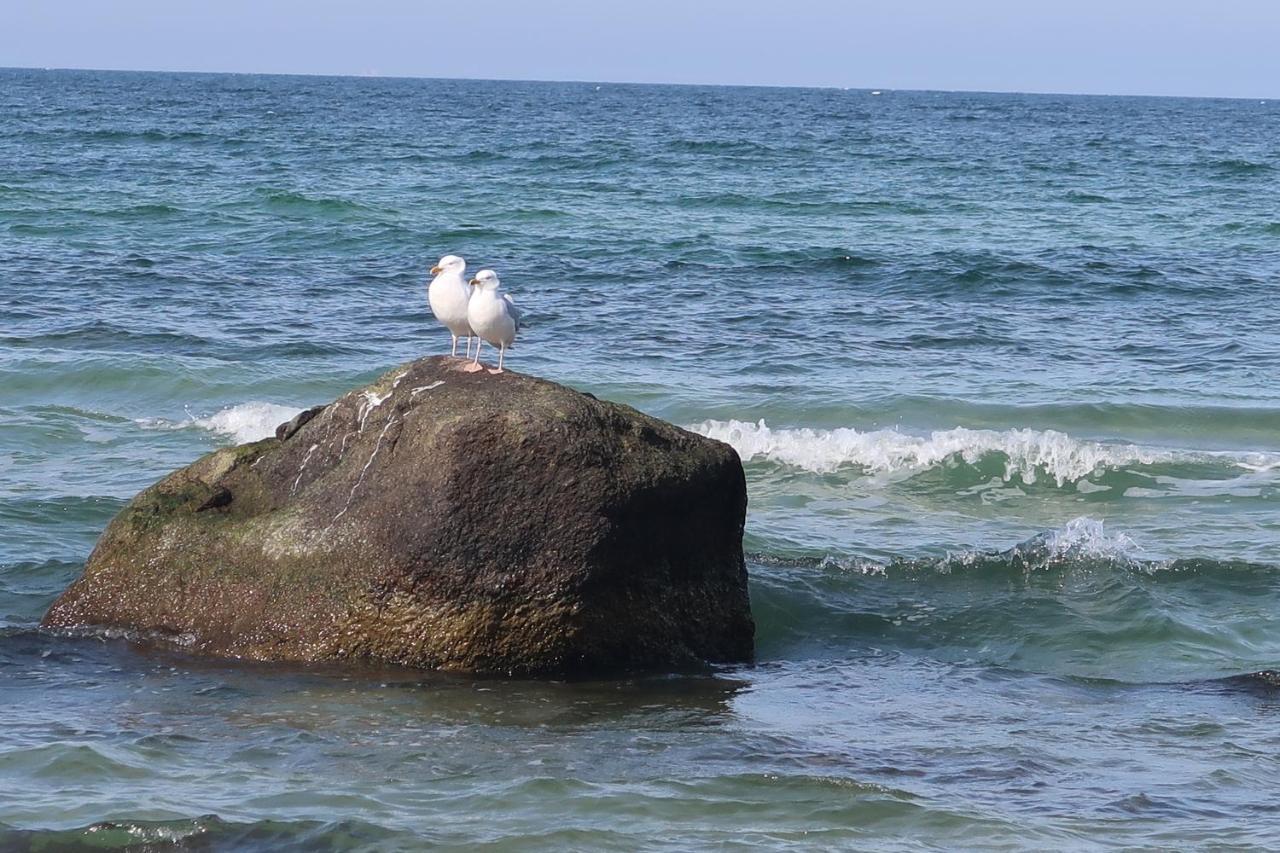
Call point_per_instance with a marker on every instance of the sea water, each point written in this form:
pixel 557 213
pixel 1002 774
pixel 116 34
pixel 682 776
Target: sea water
pixel 1004 371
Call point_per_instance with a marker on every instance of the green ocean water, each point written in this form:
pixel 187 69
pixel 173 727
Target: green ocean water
pixel 1002 370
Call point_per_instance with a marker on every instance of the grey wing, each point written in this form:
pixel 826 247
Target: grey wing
pixel 513 310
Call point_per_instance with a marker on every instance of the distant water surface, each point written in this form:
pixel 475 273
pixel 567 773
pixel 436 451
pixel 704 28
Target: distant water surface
pixel 1003 370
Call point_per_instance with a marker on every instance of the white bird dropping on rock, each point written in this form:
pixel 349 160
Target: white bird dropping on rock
pixel 493 316
pixel 448 295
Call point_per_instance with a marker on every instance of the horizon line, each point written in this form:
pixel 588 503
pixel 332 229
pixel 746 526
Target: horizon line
pixel 597 82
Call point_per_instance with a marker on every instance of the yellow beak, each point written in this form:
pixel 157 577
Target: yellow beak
pixel 437 270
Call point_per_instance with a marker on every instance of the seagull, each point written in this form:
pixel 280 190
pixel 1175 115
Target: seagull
pixel 448 295
pixel 493 316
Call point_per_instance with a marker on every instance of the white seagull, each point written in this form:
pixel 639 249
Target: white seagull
pixel 449 295
pixel 493 316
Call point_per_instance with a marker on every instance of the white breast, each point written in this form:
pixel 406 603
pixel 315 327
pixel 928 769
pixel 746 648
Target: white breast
pixel 449 295
pixel 492 318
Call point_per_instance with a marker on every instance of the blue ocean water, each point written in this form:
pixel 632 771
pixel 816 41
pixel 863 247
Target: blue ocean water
pixel 1002 369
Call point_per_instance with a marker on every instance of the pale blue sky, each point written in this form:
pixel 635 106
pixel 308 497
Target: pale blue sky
pixel 1227 47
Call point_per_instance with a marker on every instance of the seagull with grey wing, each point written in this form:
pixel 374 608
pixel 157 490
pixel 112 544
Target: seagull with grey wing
pixel 493 316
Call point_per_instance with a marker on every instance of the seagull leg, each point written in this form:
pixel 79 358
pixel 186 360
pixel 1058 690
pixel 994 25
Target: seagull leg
pixel 475 366
pixel 454 354
pixel 501 353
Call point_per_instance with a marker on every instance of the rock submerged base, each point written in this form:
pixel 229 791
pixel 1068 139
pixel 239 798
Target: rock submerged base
pixel 446 520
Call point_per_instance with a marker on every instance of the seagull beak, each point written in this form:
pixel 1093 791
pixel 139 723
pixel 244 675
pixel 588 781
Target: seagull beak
pixel 474 281
pixel 437 270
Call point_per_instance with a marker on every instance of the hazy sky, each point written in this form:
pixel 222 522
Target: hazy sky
pixel 1224 47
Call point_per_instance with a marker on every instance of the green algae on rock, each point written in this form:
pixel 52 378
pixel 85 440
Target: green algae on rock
pixel 440 519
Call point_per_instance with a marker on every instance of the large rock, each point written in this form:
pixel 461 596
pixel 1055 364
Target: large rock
pixel 443 519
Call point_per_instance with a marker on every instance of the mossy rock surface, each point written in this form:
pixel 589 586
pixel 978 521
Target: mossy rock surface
pixel 441 519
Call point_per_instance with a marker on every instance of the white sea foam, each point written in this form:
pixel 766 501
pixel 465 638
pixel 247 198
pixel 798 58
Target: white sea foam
pixel 1088 537
pixel 1080 539
pixel 244 422
pixel 248 421
pixel 1027 453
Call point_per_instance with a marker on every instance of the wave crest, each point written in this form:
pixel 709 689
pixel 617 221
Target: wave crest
pixel 1027 454
pixel 1081 540
pixel 248 421
pixel 245 422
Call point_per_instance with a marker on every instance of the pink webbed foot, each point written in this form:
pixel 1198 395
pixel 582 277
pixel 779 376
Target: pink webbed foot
pixel 496 370
pixel 473 368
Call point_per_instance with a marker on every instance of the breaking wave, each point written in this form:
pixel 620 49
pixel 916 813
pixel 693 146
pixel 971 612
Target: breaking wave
pixel 245 422
pixel 1082 541
pixel 1027 454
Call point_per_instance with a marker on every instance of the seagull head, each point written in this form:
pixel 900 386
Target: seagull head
pixel 449 263
pixel 486 280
